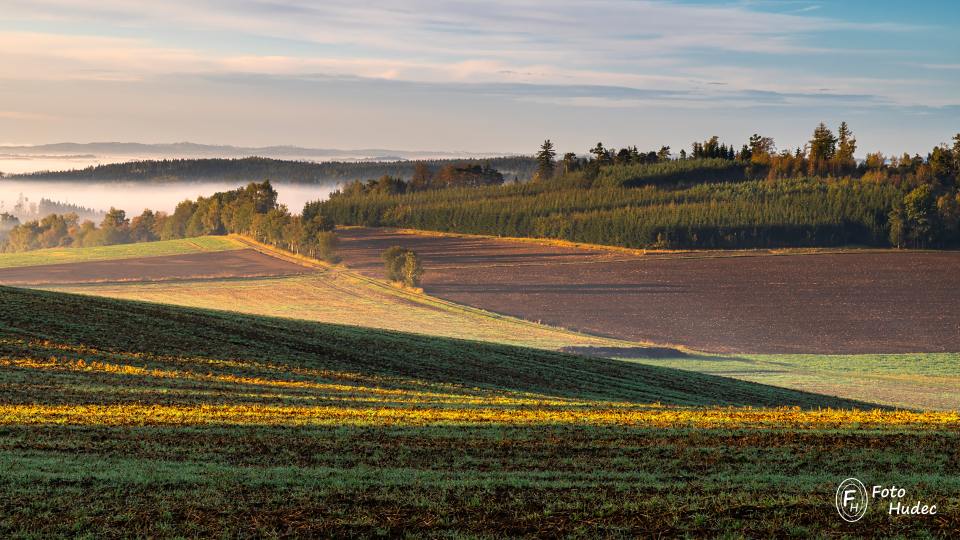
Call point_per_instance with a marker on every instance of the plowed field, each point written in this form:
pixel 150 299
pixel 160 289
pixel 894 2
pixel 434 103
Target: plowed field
pixel 758 302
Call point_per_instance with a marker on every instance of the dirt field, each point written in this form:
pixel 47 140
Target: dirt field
pixel 871 302
pixel 225 264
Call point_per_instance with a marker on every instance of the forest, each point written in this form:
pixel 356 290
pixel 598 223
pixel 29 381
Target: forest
pixel 715 196
pixel 518 168
pixel 252 210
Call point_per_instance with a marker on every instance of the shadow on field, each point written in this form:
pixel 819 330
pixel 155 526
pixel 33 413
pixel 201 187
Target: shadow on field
pixel 43 324
pixel 631 352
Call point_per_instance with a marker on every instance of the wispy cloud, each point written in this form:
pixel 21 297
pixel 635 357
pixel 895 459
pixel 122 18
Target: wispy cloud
pixel 597 36
pixel 22 115
pixel 601 55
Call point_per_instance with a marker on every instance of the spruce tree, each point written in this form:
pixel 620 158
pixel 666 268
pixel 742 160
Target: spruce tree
pixel 823 146
pixel 846 146
pixel 545 164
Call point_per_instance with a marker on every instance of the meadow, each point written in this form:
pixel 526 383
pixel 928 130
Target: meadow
pixel 929 381
pixel 343 297
pixel 129 418
pixel 67 255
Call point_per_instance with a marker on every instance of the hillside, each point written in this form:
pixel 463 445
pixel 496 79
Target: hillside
pixel 504 278
pixel 735 202
pixel 66 255
pixel 644 206
pixel 121 418
pixel 132 329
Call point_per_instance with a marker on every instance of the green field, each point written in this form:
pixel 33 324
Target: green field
pixel 929 381
pixel 123 418
pixel 119 251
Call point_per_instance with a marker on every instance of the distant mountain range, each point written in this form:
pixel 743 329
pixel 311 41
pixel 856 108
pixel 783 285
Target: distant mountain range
pixel 195 150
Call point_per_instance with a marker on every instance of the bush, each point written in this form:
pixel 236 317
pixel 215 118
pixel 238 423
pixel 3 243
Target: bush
pixel 403 266
pixel 412 269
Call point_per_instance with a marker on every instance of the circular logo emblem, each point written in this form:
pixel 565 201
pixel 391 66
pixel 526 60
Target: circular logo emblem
pixel 852 500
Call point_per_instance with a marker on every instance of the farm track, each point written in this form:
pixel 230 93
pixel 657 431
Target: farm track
pixel 826 302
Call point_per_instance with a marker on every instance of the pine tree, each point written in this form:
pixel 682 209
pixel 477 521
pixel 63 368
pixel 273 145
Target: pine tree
pixel 545 164
pixel 823 146
pixel 846 146
pixel 956 158
pixel 603 156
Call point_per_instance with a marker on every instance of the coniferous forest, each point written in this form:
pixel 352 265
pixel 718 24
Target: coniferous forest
pixel 715 196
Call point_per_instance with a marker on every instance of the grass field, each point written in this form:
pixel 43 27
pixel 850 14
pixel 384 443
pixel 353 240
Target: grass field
pixel 119 251
pixel 120 418
pixel 920 381
pixel 339 297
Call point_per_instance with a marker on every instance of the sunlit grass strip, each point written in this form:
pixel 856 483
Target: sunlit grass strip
pixel 64 255
pixel 32 346
pixel 134 415
pixel 327 390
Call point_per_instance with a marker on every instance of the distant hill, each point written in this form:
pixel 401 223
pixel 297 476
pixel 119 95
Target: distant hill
pixel 195 150
pixel 261 168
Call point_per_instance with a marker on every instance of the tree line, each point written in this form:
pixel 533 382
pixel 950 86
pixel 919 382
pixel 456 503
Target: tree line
pixel 426 178
pixel 713 197
pixel 251 210
pixel 24 209
pixel 172 170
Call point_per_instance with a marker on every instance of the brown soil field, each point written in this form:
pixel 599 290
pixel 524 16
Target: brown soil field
pixel 747 302
pixel 223 264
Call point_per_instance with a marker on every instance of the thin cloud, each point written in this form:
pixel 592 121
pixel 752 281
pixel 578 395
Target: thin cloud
pixel 607 54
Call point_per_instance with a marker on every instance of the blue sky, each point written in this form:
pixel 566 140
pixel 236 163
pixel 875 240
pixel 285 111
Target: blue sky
pixel 478 76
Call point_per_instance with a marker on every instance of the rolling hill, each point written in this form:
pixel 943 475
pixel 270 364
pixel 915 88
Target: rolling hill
pixel 121 418
pixel 136 328
pixel 194 273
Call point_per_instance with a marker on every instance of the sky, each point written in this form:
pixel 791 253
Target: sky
pixel 493 76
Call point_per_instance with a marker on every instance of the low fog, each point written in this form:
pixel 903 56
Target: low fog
pixel 134 197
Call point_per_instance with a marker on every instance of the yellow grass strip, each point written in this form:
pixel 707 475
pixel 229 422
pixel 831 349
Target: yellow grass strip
pixel 226 364
pixel 255 414
pixel 282 254
pixel 349 392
